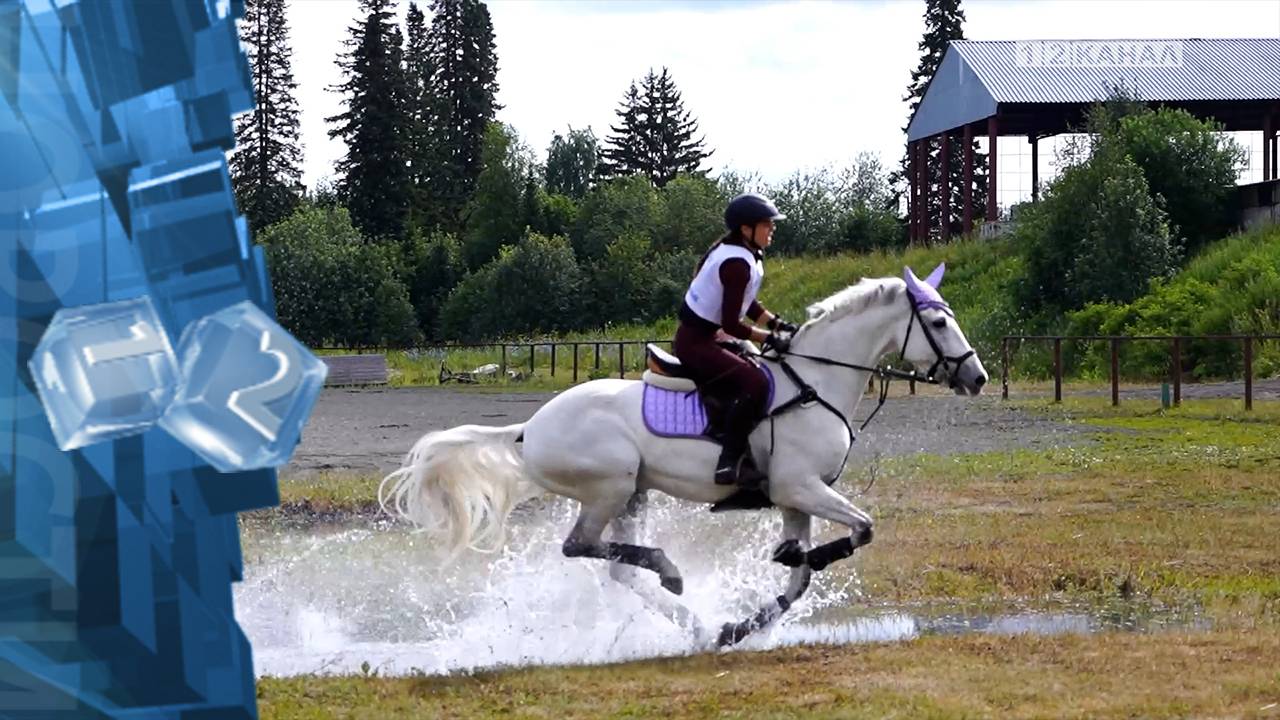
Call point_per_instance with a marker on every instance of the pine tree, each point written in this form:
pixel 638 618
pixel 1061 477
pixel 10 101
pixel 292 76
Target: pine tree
pixel 623 152
pixel 944 22
pixel 266 166
pixel 463 56
pixel 424 112
pixel 656 134
pixel 375 173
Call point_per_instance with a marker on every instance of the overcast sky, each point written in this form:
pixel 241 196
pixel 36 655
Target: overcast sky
pixel 775 86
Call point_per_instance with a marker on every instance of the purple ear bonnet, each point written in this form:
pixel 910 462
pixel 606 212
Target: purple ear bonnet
pixel 925 292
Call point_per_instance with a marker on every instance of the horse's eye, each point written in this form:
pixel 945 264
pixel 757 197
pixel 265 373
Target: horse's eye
pixel 940 323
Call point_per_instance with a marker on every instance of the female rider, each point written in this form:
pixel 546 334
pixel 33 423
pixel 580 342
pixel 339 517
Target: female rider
pixel 722 294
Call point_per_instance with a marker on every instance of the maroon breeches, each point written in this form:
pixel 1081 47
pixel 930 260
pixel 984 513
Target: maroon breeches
pixel 717 371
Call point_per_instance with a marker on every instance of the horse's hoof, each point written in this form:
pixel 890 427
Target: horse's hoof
pixel 730 634
pixel 864 537
pixel 789 553
pixel 673 584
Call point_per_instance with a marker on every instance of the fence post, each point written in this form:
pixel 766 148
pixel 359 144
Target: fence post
pixel 575 363
pixel 912 384
pixel 1248 373
pixel 1177 371
pixel 622 371
pixel 533 356
pixel 1115 371
pixel 597 356
pixel 553 359
pixel 504 362
pixel 1004 368
pixel 1057 370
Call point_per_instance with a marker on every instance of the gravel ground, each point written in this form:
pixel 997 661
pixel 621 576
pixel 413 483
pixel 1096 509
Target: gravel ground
pixel 369 430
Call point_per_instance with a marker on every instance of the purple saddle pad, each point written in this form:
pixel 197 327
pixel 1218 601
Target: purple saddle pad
pixel 680 413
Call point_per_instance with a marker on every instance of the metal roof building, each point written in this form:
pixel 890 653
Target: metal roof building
pixel 1040 88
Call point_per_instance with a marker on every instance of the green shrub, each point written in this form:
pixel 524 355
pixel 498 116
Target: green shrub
pixel 532 287
pixel 331 287
pixel 1096 236
pixel 1189 163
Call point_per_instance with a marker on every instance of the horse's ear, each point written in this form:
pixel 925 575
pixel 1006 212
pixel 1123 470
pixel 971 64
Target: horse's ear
pixel 913 282
pixel 935 277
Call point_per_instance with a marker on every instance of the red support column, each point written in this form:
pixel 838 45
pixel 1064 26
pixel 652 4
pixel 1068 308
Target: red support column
pixel 926 233
pixel 1275 155
pixel 968 178
pixel 1267 132
pixel 945 217
pixel 1035 168
pixel 913 203
pixel 993 132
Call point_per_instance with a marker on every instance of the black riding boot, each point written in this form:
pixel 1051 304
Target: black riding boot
pixel 734 467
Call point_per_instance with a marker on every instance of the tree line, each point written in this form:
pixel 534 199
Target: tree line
pixel 443 224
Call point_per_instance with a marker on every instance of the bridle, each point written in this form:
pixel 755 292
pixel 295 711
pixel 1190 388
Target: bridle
pixel 943 360
pixel 806 393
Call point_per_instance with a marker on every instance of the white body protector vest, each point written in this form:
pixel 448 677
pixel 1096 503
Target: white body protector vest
pixel 706 294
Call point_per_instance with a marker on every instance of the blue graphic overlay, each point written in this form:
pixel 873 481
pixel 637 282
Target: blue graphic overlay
pixel 248 387
pixel 117 556
pixel 104 371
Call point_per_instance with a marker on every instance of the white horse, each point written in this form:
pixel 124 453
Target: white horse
pixel 590 443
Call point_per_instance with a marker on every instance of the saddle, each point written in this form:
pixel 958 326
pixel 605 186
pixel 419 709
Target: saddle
pixel 673 407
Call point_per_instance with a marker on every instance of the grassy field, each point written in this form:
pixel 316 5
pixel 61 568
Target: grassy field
pixel 1165 509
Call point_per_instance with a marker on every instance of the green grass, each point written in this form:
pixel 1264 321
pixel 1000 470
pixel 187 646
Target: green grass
pixel 1164 675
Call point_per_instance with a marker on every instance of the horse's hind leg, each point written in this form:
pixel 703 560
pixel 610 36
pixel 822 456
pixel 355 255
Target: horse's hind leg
pixel 796 527
pixel 627 528
pixel 584 541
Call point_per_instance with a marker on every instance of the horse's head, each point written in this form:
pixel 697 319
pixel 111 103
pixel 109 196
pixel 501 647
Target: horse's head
pixel 932 340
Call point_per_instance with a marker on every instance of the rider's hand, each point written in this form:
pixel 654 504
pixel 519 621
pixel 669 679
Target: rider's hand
pixel 778 342
pixel 780 325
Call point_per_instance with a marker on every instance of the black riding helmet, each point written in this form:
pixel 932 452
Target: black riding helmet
pixel 749 209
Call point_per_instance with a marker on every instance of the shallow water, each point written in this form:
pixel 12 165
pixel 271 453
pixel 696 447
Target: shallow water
pixel 331 599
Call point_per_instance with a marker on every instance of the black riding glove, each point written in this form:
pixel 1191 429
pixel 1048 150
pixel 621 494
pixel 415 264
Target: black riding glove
pixel 777 323
pixel 777 342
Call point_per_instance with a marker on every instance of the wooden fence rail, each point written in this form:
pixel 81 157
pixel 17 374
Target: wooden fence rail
pixel 508 349
pixel 1175 359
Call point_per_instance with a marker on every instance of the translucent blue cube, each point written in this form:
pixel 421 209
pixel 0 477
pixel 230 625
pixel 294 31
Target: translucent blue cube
pixel 104 371
pixel 247 389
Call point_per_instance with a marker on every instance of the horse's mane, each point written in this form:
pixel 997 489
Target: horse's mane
pixel 855 298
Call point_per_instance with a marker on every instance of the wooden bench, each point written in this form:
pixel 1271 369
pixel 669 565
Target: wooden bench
pixel 356 369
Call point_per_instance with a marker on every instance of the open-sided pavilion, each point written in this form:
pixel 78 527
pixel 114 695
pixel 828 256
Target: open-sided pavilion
pixel 1042 88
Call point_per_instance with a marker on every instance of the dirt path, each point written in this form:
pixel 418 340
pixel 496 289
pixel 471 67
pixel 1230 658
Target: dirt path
pixel 370 430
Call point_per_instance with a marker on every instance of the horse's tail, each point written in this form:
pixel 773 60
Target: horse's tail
pixel 460 485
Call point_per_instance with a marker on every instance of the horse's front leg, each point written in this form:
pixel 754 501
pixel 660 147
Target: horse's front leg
pixel 796 527
pixel 814 497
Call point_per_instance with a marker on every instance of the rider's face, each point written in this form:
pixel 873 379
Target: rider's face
pixel 763 233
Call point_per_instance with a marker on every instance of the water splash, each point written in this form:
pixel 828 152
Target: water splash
pixel 332 599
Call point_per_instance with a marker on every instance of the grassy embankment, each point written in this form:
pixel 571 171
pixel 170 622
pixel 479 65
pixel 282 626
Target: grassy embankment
pixel 1231 285
pixel 1160 509
pixel 973 286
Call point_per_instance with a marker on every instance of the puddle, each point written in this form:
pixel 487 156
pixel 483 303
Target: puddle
pixel 329 600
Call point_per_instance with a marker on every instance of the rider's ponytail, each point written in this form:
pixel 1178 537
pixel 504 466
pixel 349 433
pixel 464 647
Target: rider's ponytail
pixel 733 235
